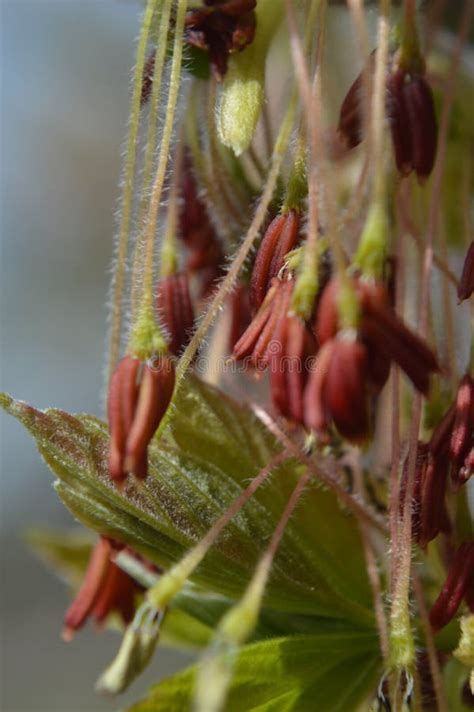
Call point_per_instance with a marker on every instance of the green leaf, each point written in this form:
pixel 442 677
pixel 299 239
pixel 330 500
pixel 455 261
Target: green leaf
pixel 328 671
pixel 65 552
pixel 209 453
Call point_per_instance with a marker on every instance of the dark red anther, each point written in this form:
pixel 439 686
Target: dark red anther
pixel 421 117
pixel 105 589
pixel 466 283
pixel 258 342
pixel 346 395
pixel 280 238
pixel 462 434
pixel 382 331
pixel 139 396
pixel 147 81
pixel 433 492
pixel 411 113
pixel 458 585
pixel 240 314
pixel 294 345
pixel 397 113
pixel 350 127
pixel 316 415
pixel 175 310
pixel 337 390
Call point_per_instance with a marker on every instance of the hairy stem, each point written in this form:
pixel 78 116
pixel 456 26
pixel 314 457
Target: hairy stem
pixel 127 196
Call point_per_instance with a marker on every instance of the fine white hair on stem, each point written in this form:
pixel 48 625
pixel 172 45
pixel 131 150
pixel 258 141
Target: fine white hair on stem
pixel 118 282
pixel 359 510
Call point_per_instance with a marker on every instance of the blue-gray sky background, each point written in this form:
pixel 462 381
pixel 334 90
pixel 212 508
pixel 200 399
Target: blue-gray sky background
pixel 65 90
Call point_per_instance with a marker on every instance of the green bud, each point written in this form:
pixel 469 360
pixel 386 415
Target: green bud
pixel 402 647
pixel 147 339
pixel 348 305
pixel 305 291
pixel 465 650
pixel 137 647
pixel 370 256
pixel 241 98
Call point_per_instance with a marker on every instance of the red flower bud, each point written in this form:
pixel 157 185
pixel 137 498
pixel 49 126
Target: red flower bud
pixel 175 309
pixel 139 396
pixel 240 314
pixel 421 120
pixel 466 283
pixel 280 238
pixel 462 435
pixel 106 588
pixel 433 516
pixel 350 116
pixel 337 390
pixel 381 330
pixel 459 584
pixel 410 109
pixel 259 341
pixel 294 345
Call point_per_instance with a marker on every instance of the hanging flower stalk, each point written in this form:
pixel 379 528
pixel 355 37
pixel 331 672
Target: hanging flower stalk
pixel 264 530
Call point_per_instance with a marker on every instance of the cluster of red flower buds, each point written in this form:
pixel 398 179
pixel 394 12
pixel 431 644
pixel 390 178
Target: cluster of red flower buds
pixel 139 395
pixel 337 383
pixel 106 589
pixel 353 365
pixel 449 451
pixel 140 392
pixel 410 110
pixel 221 27
pixel 459 585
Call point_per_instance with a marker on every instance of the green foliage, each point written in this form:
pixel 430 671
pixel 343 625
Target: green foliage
pixel 318 595
pixel 327 671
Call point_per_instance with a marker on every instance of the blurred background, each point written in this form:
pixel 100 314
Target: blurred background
pixel 65 91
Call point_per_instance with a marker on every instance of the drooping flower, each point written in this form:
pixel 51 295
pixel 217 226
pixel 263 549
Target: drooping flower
pixel 337 389
pixel 353 365
pixel 459 584
pixel 139 395
pixel 410 110
pixel 258 342
pixel 106 589
pixel 281 341
pixel 383 332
